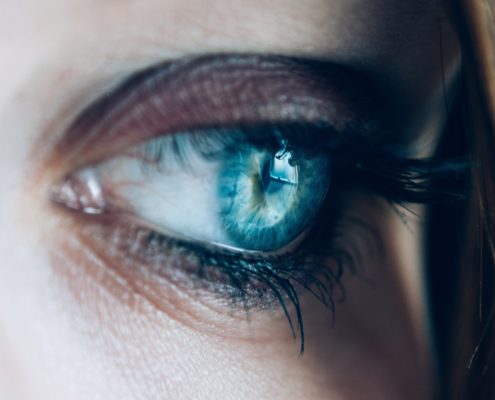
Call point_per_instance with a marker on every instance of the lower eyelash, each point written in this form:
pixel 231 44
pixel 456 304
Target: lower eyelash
pixel 259 282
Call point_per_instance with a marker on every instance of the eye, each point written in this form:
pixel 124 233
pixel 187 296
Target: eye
pixel 225 174
pixel 214 186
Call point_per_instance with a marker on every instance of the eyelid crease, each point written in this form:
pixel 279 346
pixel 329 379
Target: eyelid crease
pixel 220 90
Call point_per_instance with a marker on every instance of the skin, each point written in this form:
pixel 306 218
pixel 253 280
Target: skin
pixel 70 329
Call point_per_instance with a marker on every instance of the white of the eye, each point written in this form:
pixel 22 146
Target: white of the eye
pixel 181 199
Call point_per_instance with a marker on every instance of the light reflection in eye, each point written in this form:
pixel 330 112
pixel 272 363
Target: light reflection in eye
pixel 280 170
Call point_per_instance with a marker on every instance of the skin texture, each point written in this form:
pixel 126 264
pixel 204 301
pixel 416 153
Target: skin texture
pixel 72 328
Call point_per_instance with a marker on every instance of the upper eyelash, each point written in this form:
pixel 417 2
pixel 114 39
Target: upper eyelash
pixel 355 158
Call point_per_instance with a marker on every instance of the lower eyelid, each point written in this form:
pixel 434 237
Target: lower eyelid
pixel 169 280
pixel 93 250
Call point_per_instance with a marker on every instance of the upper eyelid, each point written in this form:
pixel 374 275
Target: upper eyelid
pixel 210 90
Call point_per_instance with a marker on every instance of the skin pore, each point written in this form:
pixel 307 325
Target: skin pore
pixel 73 325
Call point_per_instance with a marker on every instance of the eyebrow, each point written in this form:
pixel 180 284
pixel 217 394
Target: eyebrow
pixel 225 90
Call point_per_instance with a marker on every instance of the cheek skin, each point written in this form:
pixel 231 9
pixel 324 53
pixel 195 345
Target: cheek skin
pixel 180 348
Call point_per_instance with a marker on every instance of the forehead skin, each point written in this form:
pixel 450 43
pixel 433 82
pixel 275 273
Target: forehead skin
pixel 59 55
pixel 402 44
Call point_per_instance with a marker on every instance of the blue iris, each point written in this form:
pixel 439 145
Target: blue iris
pixel 268 198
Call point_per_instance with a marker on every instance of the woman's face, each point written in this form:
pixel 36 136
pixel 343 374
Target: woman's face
pixel 94 305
